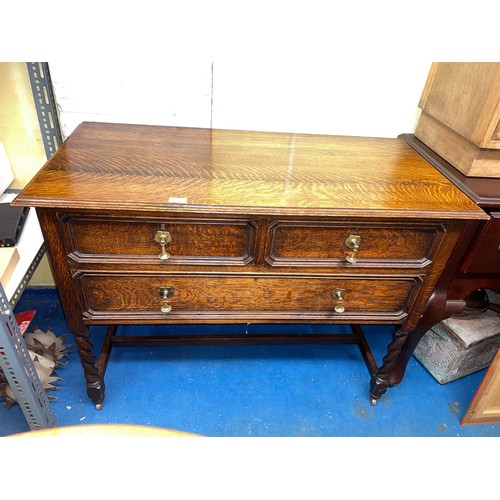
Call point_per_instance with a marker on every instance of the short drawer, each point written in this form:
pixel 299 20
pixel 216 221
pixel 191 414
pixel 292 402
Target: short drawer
pixel 191 241
pixel 485 255
pixel 121 297
pixel 331 244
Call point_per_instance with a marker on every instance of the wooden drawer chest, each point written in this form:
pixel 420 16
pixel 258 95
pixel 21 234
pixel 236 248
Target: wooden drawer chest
pixel 148 224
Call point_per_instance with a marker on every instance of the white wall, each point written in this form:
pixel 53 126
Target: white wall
pixel 367 98
pixel 19 127
pixel 155 93
pixel 352 67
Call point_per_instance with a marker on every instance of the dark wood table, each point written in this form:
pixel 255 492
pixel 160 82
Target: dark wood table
pixel 166 225
pixel 479 267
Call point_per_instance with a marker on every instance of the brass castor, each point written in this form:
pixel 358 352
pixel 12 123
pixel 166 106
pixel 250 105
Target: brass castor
pixel 373 401
pixel 98 406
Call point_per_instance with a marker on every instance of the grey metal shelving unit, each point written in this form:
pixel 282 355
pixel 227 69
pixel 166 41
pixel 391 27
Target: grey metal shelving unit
pixel 20 372
pixel 15 359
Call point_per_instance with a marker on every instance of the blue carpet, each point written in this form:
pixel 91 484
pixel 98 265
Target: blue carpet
pixel 238 391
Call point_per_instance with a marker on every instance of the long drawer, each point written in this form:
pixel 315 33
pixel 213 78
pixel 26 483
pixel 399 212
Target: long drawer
pixel 130 296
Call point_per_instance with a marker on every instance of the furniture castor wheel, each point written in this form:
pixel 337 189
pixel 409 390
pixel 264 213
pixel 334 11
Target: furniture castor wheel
pixel 373 401
pixel 98 406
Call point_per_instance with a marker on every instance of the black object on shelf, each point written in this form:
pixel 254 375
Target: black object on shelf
pixel 12 220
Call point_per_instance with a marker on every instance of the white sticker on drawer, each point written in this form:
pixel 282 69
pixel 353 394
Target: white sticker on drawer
pixel 172 199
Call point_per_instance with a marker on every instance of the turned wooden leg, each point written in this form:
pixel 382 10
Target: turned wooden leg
pixel 403 344
pixel 94 378
pixel 383 377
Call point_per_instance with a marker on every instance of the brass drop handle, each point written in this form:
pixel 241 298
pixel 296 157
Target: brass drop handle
pixel 353 242
pixel 338 295
pixel 163 238
pixel 165 293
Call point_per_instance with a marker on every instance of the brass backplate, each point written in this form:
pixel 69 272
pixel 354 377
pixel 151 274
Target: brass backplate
pixel 166 291
pixel 163 237
pixel 353 241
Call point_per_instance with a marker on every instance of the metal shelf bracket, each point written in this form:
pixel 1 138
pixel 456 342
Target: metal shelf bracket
pixel 20 372
pixel 45 105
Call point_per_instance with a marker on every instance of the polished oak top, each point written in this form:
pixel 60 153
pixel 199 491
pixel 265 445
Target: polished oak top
pixel 485 191
pixel 141 167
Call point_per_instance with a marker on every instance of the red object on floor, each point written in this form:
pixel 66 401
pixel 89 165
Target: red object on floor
pixel 23 320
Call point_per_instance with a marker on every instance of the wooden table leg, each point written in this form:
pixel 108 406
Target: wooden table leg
pixel 381 379
pixel 94 378
pixel 404 343
pixel 102 363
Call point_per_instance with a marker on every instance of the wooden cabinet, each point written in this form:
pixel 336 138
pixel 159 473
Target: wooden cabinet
pixel 477 268
pixel 484 257
pixel 480 266
pixel 485 407
pixel 460 117
pixel 174 225
pixel 465 98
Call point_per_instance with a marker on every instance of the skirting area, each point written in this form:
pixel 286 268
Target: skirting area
pixel 250 391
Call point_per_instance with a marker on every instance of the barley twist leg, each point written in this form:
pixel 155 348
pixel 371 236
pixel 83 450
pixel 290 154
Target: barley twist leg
pixel 95 381
pixel 383 378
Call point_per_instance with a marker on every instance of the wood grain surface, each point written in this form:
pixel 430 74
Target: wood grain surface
pixel 100 236
pixel 319 241
pixel 463 154
pixel 482 190
pixel 130 294
pixel 465 96
pixel 113 166
pixel 258 223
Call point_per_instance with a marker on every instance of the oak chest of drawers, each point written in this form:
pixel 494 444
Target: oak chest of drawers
pixel 148 224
